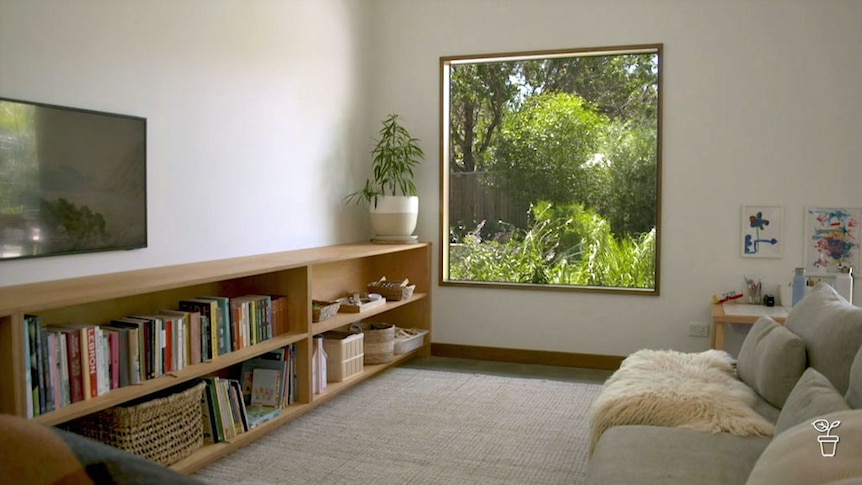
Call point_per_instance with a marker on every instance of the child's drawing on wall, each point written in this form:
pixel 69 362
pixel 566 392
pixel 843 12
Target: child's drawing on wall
pixel 761 232
pixel 832 239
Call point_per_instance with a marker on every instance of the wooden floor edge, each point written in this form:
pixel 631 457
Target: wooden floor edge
pixel 522 356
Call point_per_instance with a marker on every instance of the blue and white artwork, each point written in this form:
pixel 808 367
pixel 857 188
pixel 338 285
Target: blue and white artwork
pixel 761 231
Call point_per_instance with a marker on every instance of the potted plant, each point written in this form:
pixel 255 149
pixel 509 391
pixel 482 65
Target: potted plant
pixel 391 193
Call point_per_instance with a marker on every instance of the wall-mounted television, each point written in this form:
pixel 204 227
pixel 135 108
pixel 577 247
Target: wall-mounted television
pixel 71 180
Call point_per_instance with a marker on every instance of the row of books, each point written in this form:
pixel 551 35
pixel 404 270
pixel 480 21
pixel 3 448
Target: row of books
pixel 237 322
pixel 270 380
pixel 266 385
pixel 71 362
pixel 68 363
pixel 224 413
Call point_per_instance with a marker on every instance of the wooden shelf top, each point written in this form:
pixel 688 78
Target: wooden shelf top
pixel 343 319
pixel 32 297
pixel 746 314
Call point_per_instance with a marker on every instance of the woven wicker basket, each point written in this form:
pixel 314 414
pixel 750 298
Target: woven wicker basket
pixel 164 430
pixel 391 291
pixel 379 341
pixel 323 310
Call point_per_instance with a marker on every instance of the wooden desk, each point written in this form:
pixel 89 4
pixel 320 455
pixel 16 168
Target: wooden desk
pixel 723 313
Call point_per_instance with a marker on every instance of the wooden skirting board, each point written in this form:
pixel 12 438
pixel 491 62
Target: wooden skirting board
pixel 521 356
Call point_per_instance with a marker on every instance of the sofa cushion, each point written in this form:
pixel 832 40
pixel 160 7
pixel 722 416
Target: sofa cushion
pixel 658 454
pixel 34 453
pixel 771 360
pixel 763 408
pixel 832 331
pixel 812 397
pixel 795 456
pixel 854 388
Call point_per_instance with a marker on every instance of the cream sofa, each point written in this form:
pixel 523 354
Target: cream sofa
pixel 808 369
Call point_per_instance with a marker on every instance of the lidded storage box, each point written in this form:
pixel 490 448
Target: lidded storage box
pixel 344 354
pixel 164 429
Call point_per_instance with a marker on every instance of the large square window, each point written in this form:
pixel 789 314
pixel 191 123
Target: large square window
pixel 551 169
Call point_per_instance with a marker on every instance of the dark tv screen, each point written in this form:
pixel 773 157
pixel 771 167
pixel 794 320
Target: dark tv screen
pixel 71 180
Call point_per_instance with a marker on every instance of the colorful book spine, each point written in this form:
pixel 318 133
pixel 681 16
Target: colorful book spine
pixel 168 355
pixel 208 310
pixel 65 383
pixel 266 316
pixel 224 405
pixel 279 323
pixel 52 371
pixel 214 409
pixel 46 392
pixel 187 341
pixel 239 405
pixel 222 326
pixel 123 365
pixel 208 422
pixel 207 349
pixel 236 317
pixel 152 345
pixel 135 352
pixel 293 374
pixel 194 344
pixel 161 344
pixel 136 328
pixel 114 351
pixel 91 362
pixel 28 378
pixel 35 363
pixel 76 378
pixel 74 349
pixel 103 362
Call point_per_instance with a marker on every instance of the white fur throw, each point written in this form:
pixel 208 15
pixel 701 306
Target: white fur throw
pixel 698 391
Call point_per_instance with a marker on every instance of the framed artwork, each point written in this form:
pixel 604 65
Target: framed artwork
pixel 761 231
pixel 831 239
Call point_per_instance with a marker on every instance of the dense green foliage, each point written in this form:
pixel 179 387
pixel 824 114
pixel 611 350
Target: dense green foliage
pixel 545 148
pixel 566 245
pixel 627 179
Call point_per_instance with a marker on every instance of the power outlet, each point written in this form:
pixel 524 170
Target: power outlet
pixel 698 329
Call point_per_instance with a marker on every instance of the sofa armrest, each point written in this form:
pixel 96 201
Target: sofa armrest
pixel 33 453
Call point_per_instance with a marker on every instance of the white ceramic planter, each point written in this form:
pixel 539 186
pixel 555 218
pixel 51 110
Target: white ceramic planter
pixel 395 215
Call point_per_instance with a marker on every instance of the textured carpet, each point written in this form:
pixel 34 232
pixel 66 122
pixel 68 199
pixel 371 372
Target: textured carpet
pixel 423 426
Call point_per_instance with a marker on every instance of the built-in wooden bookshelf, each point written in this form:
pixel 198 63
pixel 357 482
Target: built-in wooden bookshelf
pixel 320 273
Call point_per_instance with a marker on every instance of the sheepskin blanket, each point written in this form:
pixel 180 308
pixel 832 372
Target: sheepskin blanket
pixel 698 391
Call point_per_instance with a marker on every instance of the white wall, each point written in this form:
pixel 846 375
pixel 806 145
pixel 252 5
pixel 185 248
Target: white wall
pixel 761 106
pixel 261 114
pixel 252 109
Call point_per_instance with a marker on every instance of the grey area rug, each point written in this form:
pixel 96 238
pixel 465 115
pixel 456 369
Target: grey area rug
pixel 422 426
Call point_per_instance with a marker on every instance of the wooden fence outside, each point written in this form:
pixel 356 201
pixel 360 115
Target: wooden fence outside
pixel 474 198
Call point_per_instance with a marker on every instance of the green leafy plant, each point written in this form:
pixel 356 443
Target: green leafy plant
pixel 393 159
pixel 566 245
